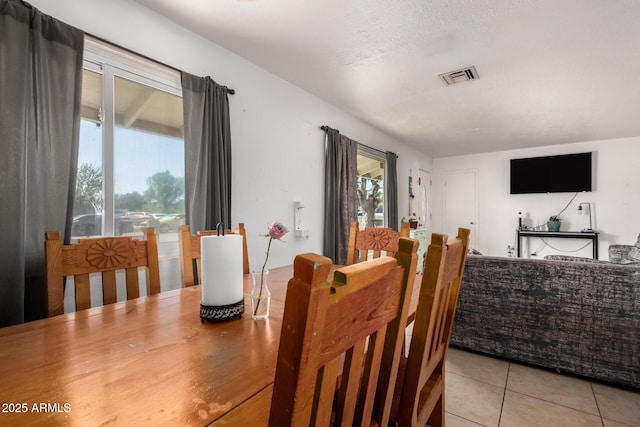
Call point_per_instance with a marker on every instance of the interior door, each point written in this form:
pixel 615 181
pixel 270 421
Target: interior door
pixel 461 203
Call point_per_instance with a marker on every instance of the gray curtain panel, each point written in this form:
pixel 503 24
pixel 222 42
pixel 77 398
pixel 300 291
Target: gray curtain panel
pixel 207 138
pixel 392 190
pixel 40 94
pixel 340 194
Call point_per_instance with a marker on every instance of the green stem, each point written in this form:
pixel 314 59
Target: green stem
pixel 255 311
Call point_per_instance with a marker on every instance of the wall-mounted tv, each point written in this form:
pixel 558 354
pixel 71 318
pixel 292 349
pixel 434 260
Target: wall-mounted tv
pixel 567 173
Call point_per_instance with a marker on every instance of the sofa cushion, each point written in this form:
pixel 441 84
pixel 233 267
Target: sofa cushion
pixel 634 252
pixel 625 254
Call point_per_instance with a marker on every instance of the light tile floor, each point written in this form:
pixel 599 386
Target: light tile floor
pixel 485 391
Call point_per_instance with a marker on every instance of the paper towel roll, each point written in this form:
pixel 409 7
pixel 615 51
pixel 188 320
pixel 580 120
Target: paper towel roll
pixel 221 263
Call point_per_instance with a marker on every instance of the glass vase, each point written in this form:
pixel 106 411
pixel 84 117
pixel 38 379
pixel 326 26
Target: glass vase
pixel 260 295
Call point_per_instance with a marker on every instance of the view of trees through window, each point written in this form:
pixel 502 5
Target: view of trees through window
pixel 164 193
pixel 88 189
pixel 371 208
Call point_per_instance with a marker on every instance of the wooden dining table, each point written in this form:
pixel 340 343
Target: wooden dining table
pixel 147 361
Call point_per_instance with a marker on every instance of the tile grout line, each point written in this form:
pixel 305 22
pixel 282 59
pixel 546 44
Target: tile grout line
pixel 595 398
pixel 504 394
pixel 562 405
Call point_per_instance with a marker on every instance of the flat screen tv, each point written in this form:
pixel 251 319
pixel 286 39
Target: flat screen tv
pixel 567 173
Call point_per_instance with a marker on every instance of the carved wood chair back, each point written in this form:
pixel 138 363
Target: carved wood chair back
pixel 373 242
pixel 105 255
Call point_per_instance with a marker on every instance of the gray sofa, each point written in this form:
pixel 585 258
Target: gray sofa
pixel 570 316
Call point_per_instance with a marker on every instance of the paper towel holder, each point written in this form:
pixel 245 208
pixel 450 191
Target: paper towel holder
pixel 218 313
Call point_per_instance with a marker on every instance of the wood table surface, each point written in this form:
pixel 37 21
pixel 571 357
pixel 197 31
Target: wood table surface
pixel 148 361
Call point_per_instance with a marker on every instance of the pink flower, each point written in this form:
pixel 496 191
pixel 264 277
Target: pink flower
pixel 277 230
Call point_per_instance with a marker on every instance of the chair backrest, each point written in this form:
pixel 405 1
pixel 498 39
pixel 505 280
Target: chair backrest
pixel 190 252
pixel 333 338
pixel 406 257
pixel 373 242
pixel 422 386
pixel 104 255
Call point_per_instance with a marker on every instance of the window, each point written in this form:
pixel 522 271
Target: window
pixel 131 157
pixel 131 154
pixel 371 178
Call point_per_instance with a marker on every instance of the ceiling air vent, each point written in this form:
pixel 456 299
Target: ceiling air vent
pixel 459 76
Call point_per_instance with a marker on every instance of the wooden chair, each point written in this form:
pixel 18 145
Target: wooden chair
pixel 419 395
pixel 104 255
pixel 190 251
pixel 407 258
pixel 337 333
pixel 373 241
pixel 310 299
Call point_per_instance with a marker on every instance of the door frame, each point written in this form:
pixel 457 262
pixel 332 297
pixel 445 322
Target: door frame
pixel 474 225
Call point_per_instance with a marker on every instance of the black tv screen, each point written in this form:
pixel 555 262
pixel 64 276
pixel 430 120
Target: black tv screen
pixel 567 173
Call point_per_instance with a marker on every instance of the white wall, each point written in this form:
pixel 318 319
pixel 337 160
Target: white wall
pixel 278 147
pixel 615 199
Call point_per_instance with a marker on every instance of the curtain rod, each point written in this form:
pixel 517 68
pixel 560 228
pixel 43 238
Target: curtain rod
pixel 326 129
pixel 229 90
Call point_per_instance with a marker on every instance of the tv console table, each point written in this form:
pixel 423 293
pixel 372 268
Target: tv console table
pixel 588 235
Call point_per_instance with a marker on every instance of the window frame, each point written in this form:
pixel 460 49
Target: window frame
pixel 111 62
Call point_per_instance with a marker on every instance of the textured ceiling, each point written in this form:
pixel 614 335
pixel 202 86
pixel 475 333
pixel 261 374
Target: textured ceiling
pixel 551 72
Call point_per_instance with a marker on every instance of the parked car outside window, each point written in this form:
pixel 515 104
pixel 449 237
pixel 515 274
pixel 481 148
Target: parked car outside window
pixel 153 221
pixel 170 222
pixel 138 217
pixel 91 225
